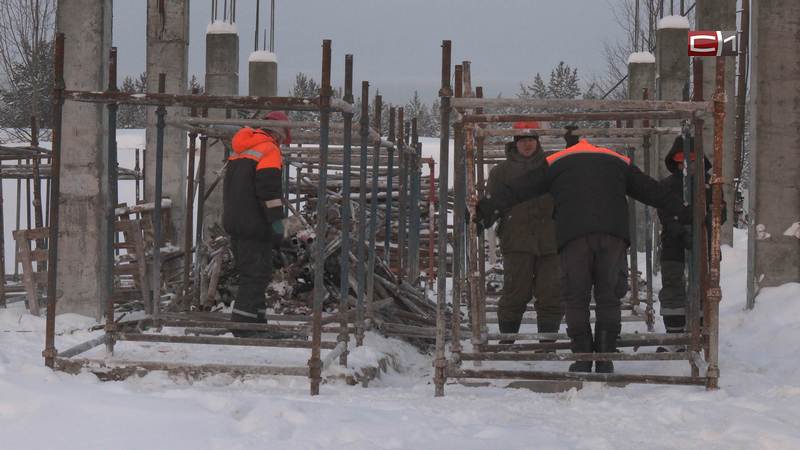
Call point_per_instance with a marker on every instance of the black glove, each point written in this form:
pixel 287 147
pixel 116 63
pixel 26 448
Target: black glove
pixel 486 214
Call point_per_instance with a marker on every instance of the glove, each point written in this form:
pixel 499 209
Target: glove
pixel 277 233
pixel 486 214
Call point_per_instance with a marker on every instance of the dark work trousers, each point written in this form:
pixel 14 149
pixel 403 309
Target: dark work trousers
pixel 253 263
pixel 592 260
pixel 526 274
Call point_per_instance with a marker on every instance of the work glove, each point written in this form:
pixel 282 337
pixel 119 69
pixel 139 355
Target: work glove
pixel 486 214
pixel 277 233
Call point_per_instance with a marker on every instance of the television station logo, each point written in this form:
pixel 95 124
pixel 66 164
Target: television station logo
pixel 713 43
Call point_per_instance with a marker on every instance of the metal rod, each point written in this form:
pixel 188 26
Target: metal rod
pixel 123 369
pixel 111 217
pixel 481 182
pixel 414 201
pixel 201 201
pixel 161 112
pixel 346 208
pixel 258 20
pixel 516 356
pixel 2 244
pixel 741 102
pixel 634 245
pixel 373 215
pixel 578 376
pixel 218 340
pixel 189 227
pixel 402 215
pixel 459 191
pixel 52 254
pixel 362 214
pixel 389 178
pixel 586 106
pixel 649 221
pixel 553 117
pixel 315 363
pixel 445 92
pixel 272 27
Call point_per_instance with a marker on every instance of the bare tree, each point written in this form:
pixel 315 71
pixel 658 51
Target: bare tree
pixel 26 53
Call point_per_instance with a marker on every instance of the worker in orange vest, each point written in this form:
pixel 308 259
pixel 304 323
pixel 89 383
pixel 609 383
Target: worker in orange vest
pixel 253 214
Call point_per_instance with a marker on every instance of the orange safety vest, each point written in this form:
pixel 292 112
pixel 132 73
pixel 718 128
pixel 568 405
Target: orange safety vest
pixel 583 147
pixel 257 145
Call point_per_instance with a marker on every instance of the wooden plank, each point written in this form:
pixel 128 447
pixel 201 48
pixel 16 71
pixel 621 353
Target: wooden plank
pixel 28 275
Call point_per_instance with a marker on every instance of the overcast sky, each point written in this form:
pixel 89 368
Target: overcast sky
pixel 396 44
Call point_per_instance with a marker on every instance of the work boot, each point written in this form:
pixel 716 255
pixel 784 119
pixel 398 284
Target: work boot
pixel 674 325
pixel 605 342
pixel 548 326
pixel 509 327
pixel 581 344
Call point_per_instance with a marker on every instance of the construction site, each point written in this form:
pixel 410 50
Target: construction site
pixel 387 281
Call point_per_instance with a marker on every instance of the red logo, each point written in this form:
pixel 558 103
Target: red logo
pixel 712 43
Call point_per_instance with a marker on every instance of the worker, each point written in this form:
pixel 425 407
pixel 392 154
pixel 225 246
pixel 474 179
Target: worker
pixel 527 241
pixel 589 185
pixel 253 214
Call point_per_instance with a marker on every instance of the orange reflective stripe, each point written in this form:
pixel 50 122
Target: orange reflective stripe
pixel 584 147
pixel 270 160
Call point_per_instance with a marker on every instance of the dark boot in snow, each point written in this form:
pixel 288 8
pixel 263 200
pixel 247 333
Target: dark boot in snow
pixel 675 325
pixel 605 342
pixel 581 344
pixel 509 327
pixel 548 326
pixel 259 334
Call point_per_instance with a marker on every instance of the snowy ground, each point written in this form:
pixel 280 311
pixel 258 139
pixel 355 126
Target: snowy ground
pixel 758 405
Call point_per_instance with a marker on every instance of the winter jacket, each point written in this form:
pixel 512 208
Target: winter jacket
pixel 252 186
pixel 589 185
pixel 676 237
pixel 528 226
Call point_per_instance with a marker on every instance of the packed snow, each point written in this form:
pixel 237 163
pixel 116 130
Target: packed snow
pixel 757 405
pixel 221 27
pixel 641 58
pixel 262 56
pixel 681 22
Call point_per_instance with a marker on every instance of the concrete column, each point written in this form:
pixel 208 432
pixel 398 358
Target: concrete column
pixel 775 102
pixel 81 287
pixel 641 75
pixel 720 15
pixel 263 71
pixel 672 76
pixel 222 78
pixel 168 52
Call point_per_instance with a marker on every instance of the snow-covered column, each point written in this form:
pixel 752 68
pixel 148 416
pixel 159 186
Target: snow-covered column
pixel 672 76
pixel 721 15
pixel 775 102
pixel 263 74
pixel 641 76
pixel 82 271
pixel 222 78
pixel 168 52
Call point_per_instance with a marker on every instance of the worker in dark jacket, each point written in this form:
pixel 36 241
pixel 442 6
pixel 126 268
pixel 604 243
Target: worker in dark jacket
pixel 589 185
pixel 528 242
pixel 676 238
pixel 253 213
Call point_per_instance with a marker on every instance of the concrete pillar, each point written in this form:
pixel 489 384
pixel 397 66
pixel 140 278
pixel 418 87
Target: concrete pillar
pixel 641 75
pixel 775 103
pixel 168 52
pixel 222 78
pixel 263 74
pixel 672 76
pixel 81 287
pixel 720 15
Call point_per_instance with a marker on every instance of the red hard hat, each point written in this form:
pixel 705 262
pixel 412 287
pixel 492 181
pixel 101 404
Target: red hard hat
pixel 528 125
pixel 280 116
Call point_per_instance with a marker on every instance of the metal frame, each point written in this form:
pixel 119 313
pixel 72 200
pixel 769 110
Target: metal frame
pixel 703 351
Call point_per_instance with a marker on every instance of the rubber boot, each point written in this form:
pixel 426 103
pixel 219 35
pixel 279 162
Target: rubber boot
pixel 605 342
pixel 581 344
pixel 548 326
pixel 510 327
pixel 254 334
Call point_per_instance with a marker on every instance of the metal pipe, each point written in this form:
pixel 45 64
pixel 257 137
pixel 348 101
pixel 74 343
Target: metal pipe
pixel 373 217
pixel 481 183
pixel 445 92
pixel 346 208
pixel 201 201
pixel 577 376
pixel 414 226
pixel 402 214
pixel 389 178
pixel 258 20
pixel 648 243
pixel 634 244
pixel 161 113
pixel 2 244
pixel 272 27
pixel 362 214
pixel 111 217
pixel 459 190
pixel 190 186
pixel 315 364
pixel 55 177
pixel 693 290
pixel 714 295
pixel 741 101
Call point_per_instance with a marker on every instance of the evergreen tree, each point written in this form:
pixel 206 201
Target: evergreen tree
pixel 535 90
pixel 425 120
pixel 563 82
pixel 133 116
pixel 194 83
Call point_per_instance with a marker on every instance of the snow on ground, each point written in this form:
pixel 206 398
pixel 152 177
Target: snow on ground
pixel 758 405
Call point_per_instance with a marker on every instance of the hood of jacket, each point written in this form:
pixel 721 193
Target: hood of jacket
pixel 677 147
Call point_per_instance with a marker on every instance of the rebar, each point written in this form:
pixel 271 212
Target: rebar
pixel 344 269
pixel 111 216
pixel 362 214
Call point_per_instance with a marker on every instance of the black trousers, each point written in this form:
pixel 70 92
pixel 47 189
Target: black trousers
pixel 253 263
pixel 594 260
